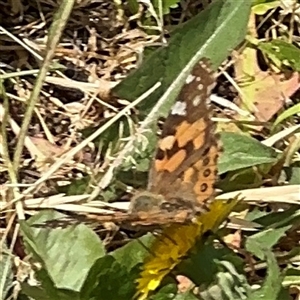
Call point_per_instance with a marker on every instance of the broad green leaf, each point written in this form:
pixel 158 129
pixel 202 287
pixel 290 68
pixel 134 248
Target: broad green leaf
pixel 263 241
pixel 272 286
pixel 46 290
pixel 214 28
pixel 241 151
pixel 108 279
pixel 66 253
pixel 211 30
pixel 113 276
pixel 134 252
pixel 205 257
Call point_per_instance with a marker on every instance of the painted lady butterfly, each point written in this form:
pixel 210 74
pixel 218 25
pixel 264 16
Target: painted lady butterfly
pixel 184 170
pixel 183 173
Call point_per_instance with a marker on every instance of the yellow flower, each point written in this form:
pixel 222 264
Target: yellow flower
pixel 173 244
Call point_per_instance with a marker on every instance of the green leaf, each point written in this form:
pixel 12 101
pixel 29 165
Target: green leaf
pixel 108 279
pixel 240 179
pixel 272 286
pixel 166 5
pixel 214 28
pixel 292 277
pixel 46 289
pixel 113 276
pixel 223 275
pixel 134 252
pixel 206 257
pixel 66 253
pixel 255 214
pixel 144 149
pixel 283 52
pixel 241 151
pixel 169 291
pixel 76 187
pixel 260 7
pixel 133 6
pixel 293 173
pixel 230 284
pixel 294 110
pixel 279 219
pixel 263 241
pixel 6 270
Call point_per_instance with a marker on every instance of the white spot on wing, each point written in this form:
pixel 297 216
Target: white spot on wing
pixel 179 108
pixel 189 79
pixel 196 100
pixel 200 86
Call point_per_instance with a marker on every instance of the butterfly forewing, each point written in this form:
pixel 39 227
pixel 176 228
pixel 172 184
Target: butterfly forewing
pixel 185 163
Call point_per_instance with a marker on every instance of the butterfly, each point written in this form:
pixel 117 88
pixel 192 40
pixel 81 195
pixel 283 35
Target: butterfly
pixel 184 169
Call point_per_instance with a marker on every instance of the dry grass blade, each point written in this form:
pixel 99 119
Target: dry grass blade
pixel 289 194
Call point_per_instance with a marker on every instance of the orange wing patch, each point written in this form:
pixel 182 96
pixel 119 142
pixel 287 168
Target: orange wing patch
pixel 172 163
